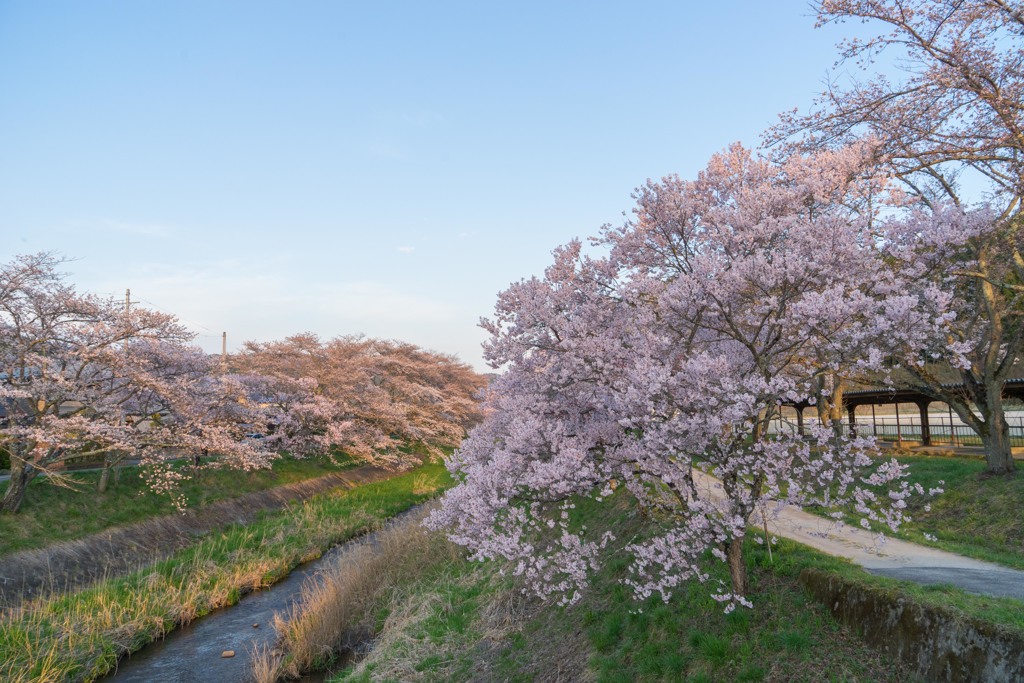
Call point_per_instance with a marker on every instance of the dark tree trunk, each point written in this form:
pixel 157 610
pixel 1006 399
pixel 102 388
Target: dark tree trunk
pixel 21 474
pixel 101 485
pixel 990 425
pixel 996 438
pixel 737 567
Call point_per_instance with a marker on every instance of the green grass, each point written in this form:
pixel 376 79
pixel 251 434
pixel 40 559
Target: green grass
pixel 791 558
pixel 50 513
pixel 79 636
pixel 976 516
pixel 785 637
pixel 465 622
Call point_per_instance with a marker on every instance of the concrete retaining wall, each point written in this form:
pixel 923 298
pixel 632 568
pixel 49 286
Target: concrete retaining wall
pixel 938 644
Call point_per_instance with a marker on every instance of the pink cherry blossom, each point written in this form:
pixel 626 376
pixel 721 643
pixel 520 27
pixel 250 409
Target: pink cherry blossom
pixel 659 368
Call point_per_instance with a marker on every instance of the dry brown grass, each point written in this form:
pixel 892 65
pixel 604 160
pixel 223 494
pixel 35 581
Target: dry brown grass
pixel 78 636
pixel 424 483
pixel 266 664
pixel 399 649
pixel 410 635
pixel 335 613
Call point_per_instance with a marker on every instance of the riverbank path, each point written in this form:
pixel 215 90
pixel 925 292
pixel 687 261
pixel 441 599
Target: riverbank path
pixel 892 557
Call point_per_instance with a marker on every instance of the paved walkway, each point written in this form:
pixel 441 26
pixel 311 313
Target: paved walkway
pixel 894 557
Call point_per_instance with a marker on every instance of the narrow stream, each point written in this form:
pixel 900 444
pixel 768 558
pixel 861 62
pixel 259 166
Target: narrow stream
pixel 193 653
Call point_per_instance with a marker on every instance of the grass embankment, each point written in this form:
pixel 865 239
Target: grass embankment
pixel 338 615
pixel 976 515
pixel 80 636
pixel 451 620
pixel 462 622
pixel 51 514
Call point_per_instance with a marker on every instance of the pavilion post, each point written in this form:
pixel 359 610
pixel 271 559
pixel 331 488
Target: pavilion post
pixel 926 433
pixel 899 430
pixel 952 429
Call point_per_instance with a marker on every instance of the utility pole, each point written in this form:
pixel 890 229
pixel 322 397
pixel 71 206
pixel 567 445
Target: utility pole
pixel 224 349
pixel 127 318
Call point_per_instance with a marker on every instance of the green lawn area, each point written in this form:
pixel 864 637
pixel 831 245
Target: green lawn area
pixel 79 636
pixel 462 621
pixel 976 515
pixel 51 513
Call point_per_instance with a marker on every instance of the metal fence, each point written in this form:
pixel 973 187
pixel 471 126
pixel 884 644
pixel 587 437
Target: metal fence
pixel 944 431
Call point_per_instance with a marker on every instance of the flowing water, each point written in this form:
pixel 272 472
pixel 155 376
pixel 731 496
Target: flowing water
pixel 193 653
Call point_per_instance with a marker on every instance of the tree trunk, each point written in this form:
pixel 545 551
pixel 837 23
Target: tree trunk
pixel 996 438
pixel 991 425
pixel 835 409
pixel 101 485
pixel 737 567
pixel 111 460
pixel 21 474
pixel 829 402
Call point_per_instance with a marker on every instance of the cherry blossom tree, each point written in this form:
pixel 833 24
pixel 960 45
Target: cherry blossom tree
pixel 292 415
pixel 437 396
pixel 370 398
pixel 660 367
pixel 961 251
pixel 84 376
pixel 949 117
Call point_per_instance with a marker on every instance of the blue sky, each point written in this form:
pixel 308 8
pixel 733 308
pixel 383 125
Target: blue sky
pixel 267 168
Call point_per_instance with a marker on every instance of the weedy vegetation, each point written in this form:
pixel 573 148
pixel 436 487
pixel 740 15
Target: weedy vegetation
pixel 51 513
pixel 462 621
pixel 79 636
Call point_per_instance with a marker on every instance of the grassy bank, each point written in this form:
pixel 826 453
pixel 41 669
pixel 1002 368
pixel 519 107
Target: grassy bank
pixel 465 622
pixel 79 636
pixel 51 514
pixel 451 620
pixel 976 515
pixel 435 616
pixel 341 613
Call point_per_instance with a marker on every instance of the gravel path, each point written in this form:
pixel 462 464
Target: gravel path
pixel 893 557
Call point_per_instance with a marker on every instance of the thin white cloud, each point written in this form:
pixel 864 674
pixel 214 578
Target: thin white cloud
pixel 374 301
pixel 253 301
pixel 125 227
pixel 406 250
